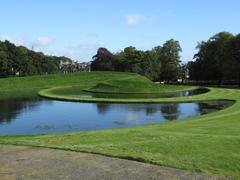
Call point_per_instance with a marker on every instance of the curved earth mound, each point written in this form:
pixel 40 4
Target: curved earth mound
pixel 123 86
pixel 127 88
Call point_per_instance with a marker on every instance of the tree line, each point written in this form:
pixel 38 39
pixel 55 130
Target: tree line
pixel 217 59
pixel 162 63
pixel 18 60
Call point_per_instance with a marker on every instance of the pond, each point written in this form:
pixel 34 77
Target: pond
pixel 85 94
pixel 42 116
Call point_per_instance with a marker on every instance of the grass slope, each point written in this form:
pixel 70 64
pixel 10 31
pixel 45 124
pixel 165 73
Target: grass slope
pixel 125 84
pixel 208 143
pixel 83 80
pixel 134 86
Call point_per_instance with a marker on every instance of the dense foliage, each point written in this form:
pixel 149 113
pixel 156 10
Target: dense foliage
pixel 217 59
pixel 18 60
pixel 160 63
pixel 104 61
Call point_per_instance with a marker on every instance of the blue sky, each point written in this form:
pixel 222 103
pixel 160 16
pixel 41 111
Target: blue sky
pixel 76 28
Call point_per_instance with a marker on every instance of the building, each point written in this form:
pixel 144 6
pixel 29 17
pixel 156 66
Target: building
pixel 68 67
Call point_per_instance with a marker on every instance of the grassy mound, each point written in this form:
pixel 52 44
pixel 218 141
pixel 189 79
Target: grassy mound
pixel 121 86
pixel 110 82
pixel 23 86
pixel 71 93
pixel 83 79
pixel 139 85
pixel 131 84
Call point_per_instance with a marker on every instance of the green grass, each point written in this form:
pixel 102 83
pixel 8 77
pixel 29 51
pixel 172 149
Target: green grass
pixel 125 84
pixel 208 143
pixel 134 85
pixel 121 86
pixel 83 80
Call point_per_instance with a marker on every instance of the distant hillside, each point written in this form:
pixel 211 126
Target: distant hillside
pixel 20 61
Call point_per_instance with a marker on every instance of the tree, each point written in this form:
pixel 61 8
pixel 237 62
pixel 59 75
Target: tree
pixel 160 62
pixel 183 72
pixel 104 60
pixel 18 60
pixel 195 70
pixel 232 68
pixel 212 58
pixel 170 60
pixel 131 59
pixel 151 66
pixel 145 63
pixel 3 64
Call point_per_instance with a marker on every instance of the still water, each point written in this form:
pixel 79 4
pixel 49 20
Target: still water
pixel 42 116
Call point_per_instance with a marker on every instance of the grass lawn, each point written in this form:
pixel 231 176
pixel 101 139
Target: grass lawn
pixel 208 143
pixel 23 86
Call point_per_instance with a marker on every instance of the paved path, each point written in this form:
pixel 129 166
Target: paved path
pixel 41 163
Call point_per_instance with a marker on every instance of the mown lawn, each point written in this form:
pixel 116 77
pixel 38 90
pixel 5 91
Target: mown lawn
pixel 209 143
pixel 23 86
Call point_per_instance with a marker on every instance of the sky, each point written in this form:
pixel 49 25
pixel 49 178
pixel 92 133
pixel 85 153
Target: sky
pixel 77 28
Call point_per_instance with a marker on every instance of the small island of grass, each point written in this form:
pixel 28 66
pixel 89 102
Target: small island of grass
pixel 132 85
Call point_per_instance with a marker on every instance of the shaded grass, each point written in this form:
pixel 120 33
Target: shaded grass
pixel 208 143
pixel 142 85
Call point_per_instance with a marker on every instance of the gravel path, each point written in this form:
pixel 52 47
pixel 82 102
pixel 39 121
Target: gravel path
pixel 19 162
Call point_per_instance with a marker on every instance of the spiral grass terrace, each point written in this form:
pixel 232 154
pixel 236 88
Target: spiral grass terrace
pixel 208 143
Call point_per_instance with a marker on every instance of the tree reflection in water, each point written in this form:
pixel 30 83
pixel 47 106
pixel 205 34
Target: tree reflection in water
pixel 170 111
pixel 208 107
pixel 11 108
pixel 42 116
pixel 103 108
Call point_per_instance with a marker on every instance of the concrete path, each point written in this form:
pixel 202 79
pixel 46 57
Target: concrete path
pixel 39 163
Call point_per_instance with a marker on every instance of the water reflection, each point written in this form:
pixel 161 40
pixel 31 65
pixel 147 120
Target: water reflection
pixel 151 109
pixel 170 111
pixel 103 108
pixel 211 106
pixel 37 116
pixel 10 109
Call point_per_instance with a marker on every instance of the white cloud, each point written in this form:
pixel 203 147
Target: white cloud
pixel 39 42
pixel 80 52
pixel 16 41
pixel 42 41
pixel 133 19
